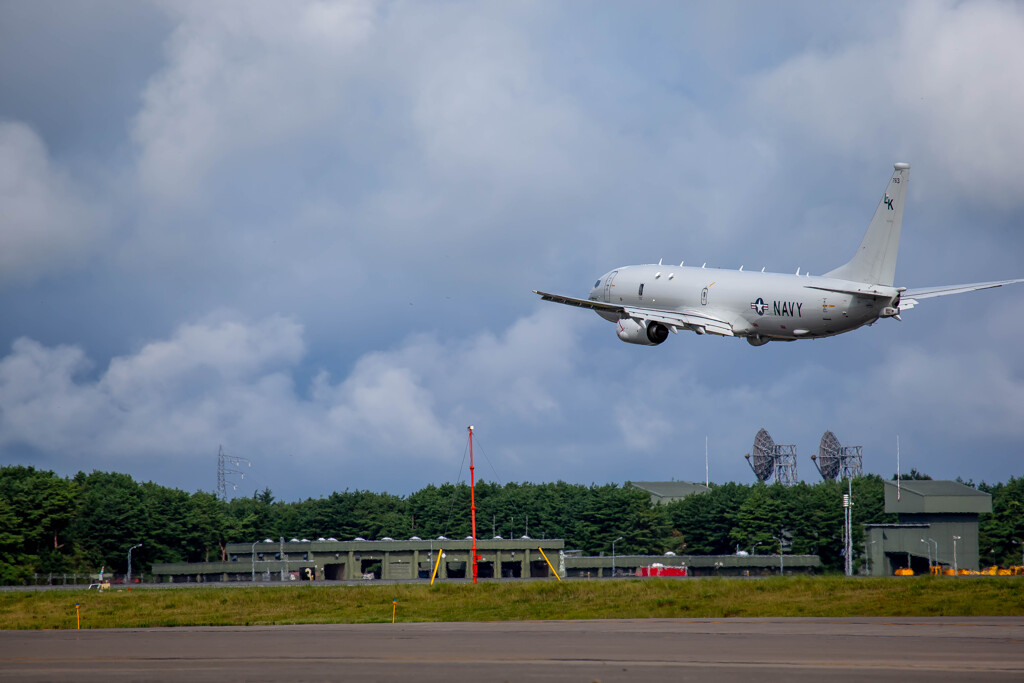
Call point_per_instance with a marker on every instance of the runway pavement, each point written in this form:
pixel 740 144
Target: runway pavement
pixel 911 649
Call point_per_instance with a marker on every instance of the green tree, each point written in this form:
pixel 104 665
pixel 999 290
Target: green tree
pixel 109 519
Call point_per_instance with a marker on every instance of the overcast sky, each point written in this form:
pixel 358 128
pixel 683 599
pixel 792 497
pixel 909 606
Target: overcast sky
pixel 308 232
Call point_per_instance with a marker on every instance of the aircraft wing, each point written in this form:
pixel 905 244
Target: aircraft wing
pixel 673 320
pixel 912 296
pixel 581 303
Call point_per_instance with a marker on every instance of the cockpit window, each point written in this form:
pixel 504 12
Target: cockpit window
pixel 597 284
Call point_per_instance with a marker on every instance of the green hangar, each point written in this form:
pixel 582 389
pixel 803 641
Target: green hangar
pixel 938 525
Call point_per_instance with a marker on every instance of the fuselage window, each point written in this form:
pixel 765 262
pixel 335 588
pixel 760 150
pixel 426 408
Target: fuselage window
pixel 641 292
pixel 597 284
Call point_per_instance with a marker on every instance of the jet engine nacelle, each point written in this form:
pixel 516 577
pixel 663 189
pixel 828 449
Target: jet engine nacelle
pixel 651 334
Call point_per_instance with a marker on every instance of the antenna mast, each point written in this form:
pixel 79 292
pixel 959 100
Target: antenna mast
pixel 472 500
pixel 707 479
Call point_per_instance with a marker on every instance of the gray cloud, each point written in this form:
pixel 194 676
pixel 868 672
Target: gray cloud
pixel 938 84
pixel 372 190
pixel 46 223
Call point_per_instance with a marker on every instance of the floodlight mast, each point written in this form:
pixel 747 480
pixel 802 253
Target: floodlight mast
pixel 472 500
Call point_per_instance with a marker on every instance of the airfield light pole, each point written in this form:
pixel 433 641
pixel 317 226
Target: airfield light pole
pixel 781 568
pixel 955 570
pixel 928 549
pixel 936 553
pixel 613 554
pixel 472 500
pixel 253 551
pixel 129 580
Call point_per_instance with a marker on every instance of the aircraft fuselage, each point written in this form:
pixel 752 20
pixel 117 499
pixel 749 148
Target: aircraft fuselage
pixel 770 305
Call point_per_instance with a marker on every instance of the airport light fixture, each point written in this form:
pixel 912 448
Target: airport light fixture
pixel 613 554
pixel 867 555
pixel 253 550
pixel 928 549
pixel 936 544
pixel 129 579
pixel 956 571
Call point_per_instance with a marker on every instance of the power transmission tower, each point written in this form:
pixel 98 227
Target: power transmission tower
pixel 223 471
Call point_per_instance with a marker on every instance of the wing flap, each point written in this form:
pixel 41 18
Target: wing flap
pixel 690 320
pixel 674 320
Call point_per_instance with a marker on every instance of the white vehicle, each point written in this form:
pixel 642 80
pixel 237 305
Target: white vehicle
pixel 648 301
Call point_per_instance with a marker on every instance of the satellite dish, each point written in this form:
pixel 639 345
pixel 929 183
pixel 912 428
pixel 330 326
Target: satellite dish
pixel 763 460
pixel 829 462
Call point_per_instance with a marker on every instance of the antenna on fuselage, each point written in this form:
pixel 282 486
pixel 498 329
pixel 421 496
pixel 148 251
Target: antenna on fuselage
pixel 741 269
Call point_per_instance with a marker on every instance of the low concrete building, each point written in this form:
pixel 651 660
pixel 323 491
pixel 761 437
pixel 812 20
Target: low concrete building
pixel 696 565
pixel 415 559
pixel 938 524
pixel 334 560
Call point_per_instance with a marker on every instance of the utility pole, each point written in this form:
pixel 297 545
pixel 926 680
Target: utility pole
pixel 129 579
pixel 472 502
pixel 956 572
pixel 613 554
pixel 848 527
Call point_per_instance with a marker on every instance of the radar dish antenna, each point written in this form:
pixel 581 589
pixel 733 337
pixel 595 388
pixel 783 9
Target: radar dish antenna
pixel 827 460
pixel 770 458
pixel 835 460
pixel 762 459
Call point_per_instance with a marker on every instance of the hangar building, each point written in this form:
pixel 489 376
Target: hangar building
pixel 333 560
pixel 938 523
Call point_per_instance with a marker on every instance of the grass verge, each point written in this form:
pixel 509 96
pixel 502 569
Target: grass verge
pixel 527 600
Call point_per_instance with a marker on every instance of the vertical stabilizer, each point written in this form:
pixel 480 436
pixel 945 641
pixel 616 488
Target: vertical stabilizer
pixel 875 260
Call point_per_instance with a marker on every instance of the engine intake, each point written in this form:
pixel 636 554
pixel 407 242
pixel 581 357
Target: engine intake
pixel 633 332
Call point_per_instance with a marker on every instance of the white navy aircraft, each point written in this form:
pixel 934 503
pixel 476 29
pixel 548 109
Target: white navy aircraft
pixel 647 302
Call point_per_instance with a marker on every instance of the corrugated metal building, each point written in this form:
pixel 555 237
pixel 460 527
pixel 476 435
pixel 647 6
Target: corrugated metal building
pixel 938 524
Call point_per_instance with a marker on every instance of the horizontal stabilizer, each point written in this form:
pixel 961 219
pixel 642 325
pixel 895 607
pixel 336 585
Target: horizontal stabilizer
pixel 912 296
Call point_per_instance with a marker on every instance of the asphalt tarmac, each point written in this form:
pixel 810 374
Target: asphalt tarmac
pixel 911 649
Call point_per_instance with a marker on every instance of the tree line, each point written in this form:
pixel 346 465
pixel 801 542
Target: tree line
pixel 52 524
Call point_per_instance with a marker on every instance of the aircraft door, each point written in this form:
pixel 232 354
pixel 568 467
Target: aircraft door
pixel 608 286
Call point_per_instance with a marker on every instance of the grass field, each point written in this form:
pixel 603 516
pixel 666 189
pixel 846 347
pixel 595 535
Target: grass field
pixel 521 600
